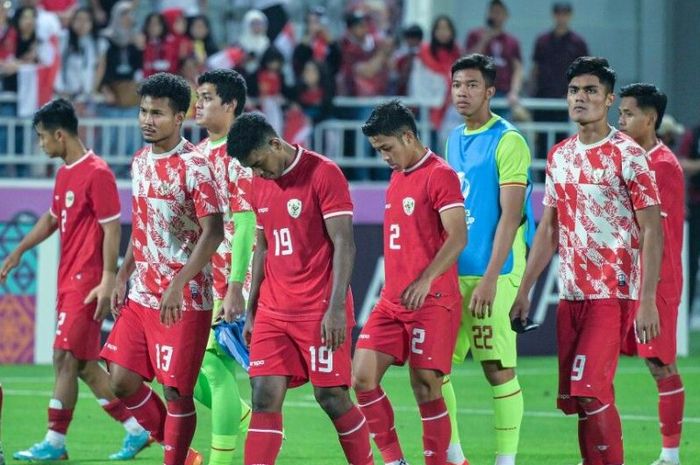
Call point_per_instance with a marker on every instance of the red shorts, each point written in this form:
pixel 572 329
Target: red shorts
pixel 663 347
pixel 589 334
pixel 425 337
pixel 76 330
pixel 280 347
pixel 173 355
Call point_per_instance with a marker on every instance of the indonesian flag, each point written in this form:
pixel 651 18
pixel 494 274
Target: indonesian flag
pixel 297 127
pixel 286 41
pixel 35 81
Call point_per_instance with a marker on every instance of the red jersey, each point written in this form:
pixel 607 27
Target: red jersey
pixel 291 211
pixel 596 189
pixel 171 191
pixel 671 183
pixel 413 231
pixel 84 196
pixel 233 182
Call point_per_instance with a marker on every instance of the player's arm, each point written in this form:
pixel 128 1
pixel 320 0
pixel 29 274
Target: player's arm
pixel 455 227
pixel 212 234
pixel 333 326
pixel 110 253
pixel 544 245
pixel 257 277
pixel 123 275
pixel 43 228
pixel 652 244
pixel 513 161
pixel 241 250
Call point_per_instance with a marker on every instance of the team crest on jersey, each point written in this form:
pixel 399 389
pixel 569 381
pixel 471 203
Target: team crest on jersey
pixel 409 205
pixel 70 198
pixel 294 208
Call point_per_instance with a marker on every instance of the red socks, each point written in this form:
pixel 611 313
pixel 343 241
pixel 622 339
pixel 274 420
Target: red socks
pixel 376 408
pixel 117 410
pixel 59 419
pixel 353 435
pixel 671 400
pixel 603 428
pixel 149 411
pixel 436 431
pixel 264 438
pixel 179 430
pixel 589 452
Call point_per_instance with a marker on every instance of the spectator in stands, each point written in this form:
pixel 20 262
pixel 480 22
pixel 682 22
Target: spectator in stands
pixel 203 44
pixel 494 41
pixel 25 45
pixel 689 156
pixel 64 9
pixel 268 88
pixel 254 40
pixel 159 53
pixel 189 7
pixel 365 66
pixel 317 44
pixel 177 37
pixel 80 53
pixel 8 48
pixel 671 132
pixel 404 57
pixel 102 10
pixel 314 91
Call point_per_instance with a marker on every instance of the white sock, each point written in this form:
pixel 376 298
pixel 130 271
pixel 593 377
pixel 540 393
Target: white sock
pixel 455 454
pixel 397 462
pixel 670 454
pixel 55 403
pixel 102 402
pixel 55 439
pixel 505 460
pixel 132 426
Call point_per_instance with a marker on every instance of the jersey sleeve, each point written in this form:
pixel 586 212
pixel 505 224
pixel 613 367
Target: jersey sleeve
pixel 444 189
pixel 202 187
pixel 242 187
pixel 104 196
pixel 54 208
pixel 550 193
pixel 671 183
pixel 333 191
pixel 512 160
pixel 639 178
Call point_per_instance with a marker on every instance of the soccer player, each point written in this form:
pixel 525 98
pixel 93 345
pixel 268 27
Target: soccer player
pixel 221 96
pixel 85 210
pixel 418 314
pixel 601 211
pixel 162 328
pixel 642 107
pixel 492 160
pixel 300 310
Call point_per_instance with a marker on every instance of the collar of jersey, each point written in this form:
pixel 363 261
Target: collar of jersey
pixel 656 147
pixel 604 140
pixel 484 128
pixel 428 152
pixel 79 160
pixel 215 144
pixel 170 152
pixel 297 157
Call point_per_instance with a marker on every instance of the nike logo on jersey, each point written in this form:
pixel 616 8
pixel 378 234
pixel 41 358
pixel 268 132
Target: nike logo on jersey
pixel 387 206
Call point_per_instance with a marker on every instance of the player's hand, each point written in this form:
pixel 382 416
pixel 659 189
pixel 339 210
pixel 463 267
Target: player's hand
pixel 9 264
pixel 103 293
pixel 647 321
pixel 248 328
pixel 413 297
pixel 521 308
pixel 334 327
pixel 171 304
pixel 233 307
pixel 483 296
pixel 118 296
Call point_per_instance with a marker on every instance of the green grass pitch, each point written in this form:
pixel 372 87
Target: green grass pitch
pixel 548 437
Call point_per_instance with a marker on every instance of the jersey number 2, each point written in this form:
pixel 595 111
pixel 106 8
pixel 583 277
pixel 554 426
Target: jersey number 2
pixel 394 233
pixel 283 241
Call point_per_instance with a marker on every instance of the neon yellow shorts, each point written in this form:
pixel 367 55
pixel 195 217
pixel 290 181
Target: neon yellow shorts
pixel 489 338
pixel 212 345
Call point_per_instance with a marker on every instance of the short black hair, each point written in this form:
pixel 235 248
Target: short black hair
pixel 390 118
pixel 229 85
pixel 170 86
pixel 648 96
pixel 597 66
pixel 483 63
pixel 57 114
pixel 498 3
pixel 249 132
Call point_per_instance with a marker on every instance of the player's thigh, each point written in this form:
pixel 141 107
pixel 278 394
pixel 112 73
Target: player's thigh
pixel 368 368
pixel 176 351
pixel 274 353
pixel 433 331
pixel 77 331
pixel 384 332
pixel 491 336
pixel 126 345
pixel 324 368
pixel 463 340
pixel 212 345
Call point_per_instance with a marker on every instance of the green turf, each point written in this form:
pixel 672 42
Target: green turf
pixel 548 438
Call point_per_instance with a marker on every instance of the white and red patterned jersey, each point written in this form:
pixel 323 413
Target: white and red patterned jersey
pixel 84 197
pixel 233 182
pixel 413 230
pixel 596 189
pixel 669 177
pixel 171 191
pixel 291 210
